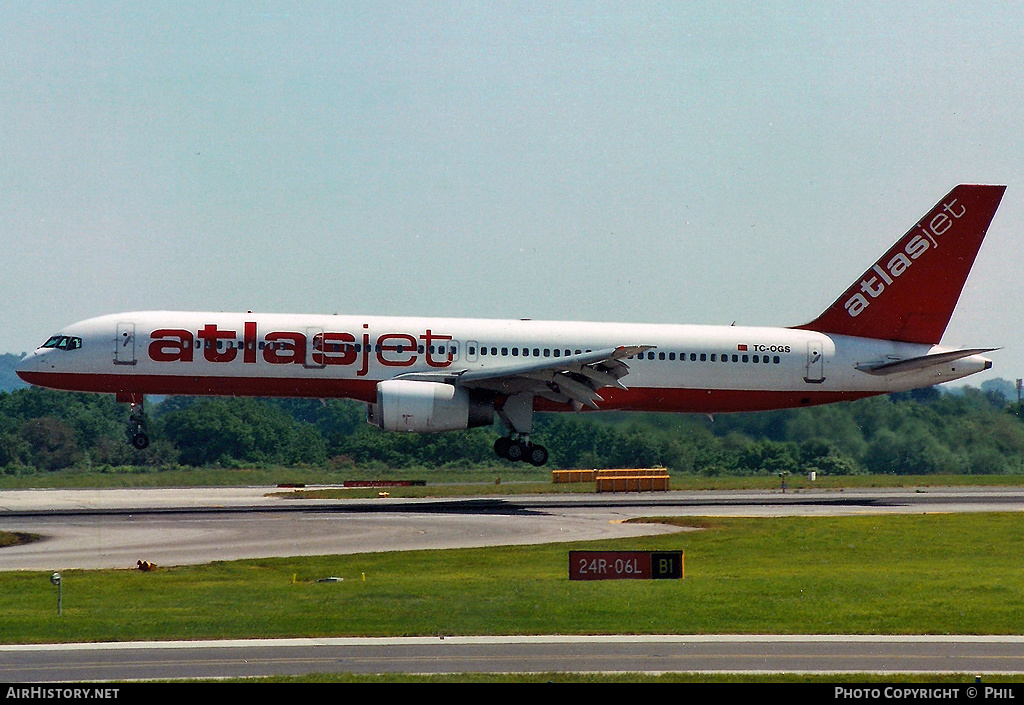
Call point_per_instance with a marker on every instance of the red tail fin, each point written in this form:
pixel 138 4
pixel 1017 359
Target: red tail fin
pixel 909 294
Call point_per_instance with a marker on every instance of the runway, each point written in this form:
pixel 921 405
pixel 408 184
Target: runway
pixel 115 528
pixel 988 656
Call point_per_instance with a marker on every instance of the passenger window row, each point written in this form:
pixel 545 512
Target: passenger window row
pixel 330 347
pixel 485 351
pixel 65 342
pixel 744 358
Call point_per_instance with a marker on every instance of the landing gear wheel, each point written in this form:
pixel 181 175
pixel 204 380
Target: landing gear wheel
pixel 515 451
pixel 140 441
pixel 501 447
pixel 536 455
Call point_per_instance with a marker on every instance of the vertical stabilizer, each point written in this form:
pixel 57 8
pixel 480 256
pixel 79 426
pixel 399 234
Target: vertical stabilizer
pixel 909 294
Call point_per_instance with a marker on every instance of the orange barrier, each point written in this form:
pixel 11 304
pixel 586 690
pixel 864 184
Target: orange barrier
pixel 632 472
pixel 618 480
pixel 563 476
pixel 632 483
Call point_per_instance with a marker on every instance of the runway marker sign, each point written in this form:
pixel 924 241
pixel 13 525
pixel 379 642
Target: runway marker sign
pixel 625 565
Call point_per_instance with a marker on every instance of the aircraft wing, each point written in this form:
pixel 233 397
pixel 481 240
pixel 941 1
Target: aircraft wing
pixel 574 379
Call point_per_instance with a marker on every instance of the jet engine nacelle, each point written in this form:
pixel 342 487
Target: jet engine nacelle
pixel 426 407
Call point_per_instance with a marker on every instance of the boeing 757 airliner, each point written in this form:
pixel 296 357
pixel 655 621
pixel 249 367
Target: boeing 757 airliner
pixel 441 374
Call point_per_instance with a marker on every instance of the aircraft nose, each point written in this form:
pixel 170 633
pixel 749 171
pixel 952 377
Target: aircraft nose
pixel 29 366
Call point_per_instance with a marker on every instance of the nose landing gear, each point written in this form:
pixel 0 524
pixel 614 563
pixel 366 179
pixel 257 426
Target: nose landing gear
pixel 136 429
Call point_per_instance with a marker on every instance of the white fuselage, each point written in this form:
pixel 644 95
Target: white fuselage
pixel 690 368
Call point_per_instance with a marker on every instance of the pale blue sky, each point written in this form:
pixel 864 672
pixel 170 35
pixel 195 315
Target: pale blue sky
pixel 659 162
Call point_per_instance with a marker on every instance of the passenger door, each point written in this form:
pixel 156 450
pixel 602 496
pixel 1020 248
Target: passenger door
pixel 815 363
pixel 124 344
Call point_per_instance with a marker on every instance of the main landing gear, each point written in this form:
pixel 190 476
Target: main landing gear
pixel 517 415
pixel 521 449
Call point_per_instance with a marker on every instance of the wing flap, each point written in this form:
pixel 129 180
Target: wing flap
pixel 571 363
pixel 573 379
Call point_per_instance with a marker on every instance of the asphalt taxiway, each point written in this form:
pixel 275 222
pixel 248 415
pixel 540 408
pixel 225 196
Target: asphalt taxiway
pixel 115 528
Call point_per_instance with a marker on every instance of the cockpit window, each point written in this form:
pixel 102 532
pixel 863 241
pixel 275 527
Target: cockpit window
pixel 63 342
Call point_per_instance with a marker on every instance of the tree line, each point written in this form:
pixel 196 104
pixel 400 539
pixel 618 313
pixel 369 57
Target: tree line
pixel 971 431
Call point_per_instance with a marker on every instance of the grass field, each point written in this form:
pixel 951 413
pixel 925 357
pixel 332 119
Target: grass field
pixel 479 480
pixel 907 574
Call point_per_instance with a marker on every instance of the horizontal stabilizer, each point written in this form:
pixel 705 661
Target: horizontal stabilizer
pixel 919 363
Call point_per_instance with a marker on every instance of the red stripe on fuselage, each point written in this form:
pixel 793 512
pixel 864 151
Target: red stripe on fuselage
pixel 361 389
pixel 703 401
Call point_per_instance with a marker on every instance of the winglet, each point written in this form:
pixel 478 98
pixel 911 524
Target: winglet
pixel 909 294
